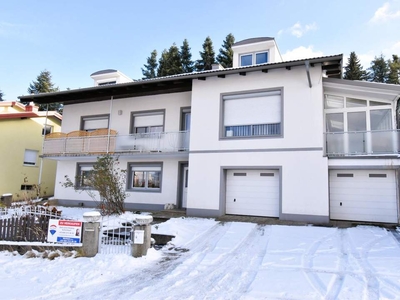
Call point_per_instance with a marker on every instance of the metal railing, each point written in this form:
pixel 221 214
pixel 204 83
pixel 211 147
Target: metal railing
pixel 382 142
pixel 141 142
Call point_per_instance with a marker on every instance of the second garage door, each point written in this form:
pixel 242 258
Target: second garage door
pixel 363 195
pixel 252 192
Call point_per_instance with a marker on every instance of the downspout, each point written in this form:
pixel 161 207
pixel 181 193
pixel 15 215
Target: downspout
pixel 41 158
pixel 307 63
pixel 109 123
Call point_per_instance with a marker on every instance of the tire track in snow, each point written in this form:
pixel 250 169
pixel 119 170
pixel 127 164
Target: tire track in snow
pixel 372 287
pixel 334 288
pixel 307 262
pixel 203 274
pixel 157 273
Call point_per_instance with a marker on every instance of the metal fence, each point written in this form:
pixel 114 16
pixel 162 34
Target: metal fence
pixel 115 236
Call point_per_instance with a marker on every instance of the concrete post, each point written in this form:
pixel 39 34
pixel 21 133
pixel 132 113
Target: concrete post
pixel 91 234
pixel 6 199
pixel 141 236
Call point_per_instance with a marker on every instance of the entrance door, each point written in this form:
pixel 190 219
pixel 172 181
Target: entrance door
pixel 185 186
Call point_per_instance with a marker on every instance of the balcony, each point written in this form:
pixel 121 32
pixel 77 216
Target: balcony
pixel 384 142
pixel 100 142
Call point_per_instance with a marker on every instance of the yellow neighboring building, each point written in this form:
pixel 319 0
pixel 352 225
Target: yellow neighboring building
pixel 22 172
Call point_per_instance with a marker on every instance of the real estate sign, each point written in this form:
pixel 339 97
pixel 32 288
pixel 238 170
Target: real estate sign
pixel 64 231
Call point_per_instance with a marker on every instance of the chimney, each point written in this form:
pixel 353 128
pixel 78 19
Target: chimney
pixel 31 107
pixel 216 67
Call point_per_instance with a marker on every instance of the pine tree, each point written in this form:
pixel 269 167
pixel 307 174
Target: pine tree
pixel 43 84
pixel 379 70
pixel 207 56
pixel 394 70
pixel 186 58
pixel 225 56
pixel 354 70
pixel 169 62
pixel 1 96
pixel 151 66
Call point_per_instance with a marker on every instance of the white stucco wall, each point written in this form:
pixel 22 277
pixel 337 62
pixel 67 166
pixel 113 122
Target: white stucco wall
pixel 304 186
pixel 170 102
pixel 302 109
pixel 169 183
pixel 299 153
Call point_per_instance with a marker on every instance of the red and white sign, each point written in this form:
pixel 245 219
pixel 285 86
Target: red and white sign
pixel 64 231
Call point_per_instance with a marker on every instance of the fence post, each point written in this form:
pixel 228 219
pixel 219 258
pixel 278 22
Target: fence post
pixel 141 236
pixel 90 235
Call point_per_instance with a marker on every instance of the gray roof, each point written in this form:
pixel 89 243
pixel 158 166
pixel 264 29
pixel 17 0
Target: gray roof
pixel 104 72
pixel 253 40
pixel 174 83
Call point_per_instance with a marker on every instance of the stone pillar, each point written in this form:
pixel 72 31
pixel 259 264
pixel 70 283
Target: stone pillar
pixel 141 236
pixel 91 233
pixel 6 199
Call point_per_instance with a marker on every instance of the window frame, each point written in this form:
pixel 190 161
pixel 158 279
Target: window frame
pixel 222 135
pixel 79 177
pixel 146 189
pixel 45 130
pixel 345 110
pixel 27 163
pixel 132 128
pixel 99 117
pixel 253 58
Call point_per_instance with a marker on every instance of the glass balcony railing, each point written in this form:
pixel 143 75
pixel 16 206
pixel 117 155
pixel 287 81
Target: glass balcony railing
pixel 380 142
pixel 114 143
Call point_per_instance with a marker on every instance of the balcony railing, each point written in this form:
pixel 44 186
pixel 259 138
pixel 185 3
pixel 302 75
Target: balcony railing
pixel 381 142
pixel 113 143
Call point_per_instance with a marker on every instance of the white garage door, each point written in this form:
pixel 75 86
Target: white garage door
pixel 252 192
pixel 363 195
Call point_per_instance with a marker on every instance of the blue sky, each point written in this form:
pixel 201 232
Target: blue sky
pixel 73 39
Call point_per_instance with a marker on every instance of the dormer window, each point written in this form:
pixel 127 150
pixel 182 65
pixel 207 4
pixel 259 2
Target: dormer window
pixel 107 82
pixel 256 58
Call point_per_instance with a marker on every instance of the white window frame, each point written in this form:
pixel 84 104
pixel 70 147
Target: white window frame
pixel 367 109
pixel 145 168
pixel 30 157
pixel 275 128
pixel 253 58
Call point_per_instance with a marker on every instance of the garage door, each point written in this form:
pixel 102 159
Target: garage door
pixel 363 195
pixel 252 192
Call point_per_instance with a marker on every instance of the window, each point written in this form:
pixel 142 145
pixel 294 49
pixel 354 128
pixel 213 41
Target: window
pixel 145 177
pixel 252 114
pixel 82 175
pixel 26 187
pixel 30 157
pixel 148 122
pixel 91 123
pixel 107 83
pixel 47 129
pixel 257 58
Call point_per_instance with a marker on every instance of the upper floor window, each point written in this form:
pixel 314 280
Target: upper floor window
pixel 148 122
pixel 30 157
pixel 347 114
pixel 253 114
pixel 90 123
pixel 107 83
pixel 47 129
pixel 256 58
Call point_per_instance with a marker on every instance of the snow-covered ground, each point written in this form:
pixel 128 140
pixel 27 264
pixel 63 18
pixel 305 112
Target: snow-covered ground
pixel 211 260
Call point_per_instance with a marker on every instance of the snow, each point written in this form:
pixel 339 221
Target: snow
pixel 212 260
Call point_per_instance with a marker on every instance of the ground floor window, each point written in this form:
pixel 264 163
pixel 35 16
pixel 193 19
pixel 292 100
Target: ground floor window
pixel 83 174
pixel 145 177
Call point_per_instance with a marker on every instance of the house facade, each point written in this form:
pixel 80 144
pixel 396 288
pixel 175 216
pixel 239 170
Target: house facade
pixel 284 139
pixel 22 131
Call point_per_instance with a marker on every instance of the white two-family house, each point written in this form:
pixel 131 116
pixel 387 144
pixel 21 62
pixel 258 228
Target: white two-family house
pixel 284 139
